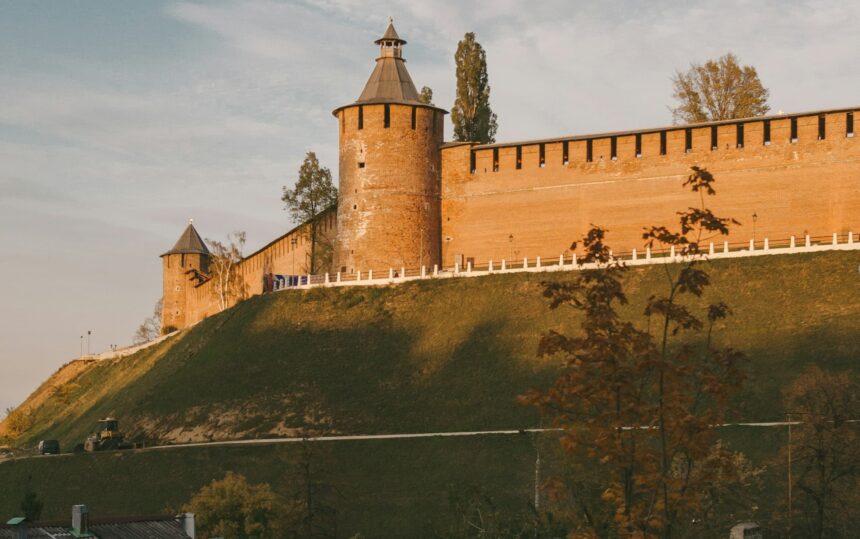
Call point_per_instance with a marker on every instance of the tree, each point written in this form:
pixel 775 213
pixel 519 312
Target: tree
pixel 473 119
pixel 31 506
pixel 150 329
pixel 313 194
pixel 232 507
pixel 825 453
pixel 476 515
pixel 17 421
pixel 426 96
pixel 640 400
pixel 718 90
pixel 228 286
pixel 315 515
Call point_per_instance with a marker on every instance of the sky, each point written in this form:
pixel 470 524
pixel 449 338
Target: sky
pixel 120 120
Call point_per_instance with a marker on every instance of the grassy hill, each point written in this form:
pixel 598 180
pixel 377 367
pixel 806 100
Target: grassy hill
pixel 441 355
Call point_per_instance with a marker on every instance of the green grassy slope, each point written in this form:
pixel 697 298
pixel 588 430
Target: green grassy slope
pixel 438 355
pixel 380 488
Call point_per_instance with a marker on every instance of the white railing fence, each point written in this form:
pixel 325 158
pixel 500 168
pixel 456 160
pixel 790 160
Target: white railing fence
pixel 568 262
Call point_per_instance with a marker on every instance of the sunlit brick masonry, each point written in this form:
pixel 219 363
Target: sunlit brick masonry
pixel 412 205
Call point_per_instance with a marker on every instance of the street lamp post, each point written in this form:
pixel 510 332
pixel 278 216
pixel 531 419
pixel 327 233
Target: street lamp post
pixel 82 346
pixel 294 242
pixel 89 333
pixel 511 247
pixel 755 218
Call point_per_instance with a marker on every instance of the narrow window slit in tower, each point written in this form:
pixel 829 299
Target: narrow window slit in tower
pixel 638 145
pixel 565 152
pixel 793 130
pixel 822 127
pixel 361 164
pixel 766 132
pixel 849 124
pixel 473 167
pixel 519 157
pixel 740 135
pixel 495 159
pixel 714 141
pixel 542 150
pixel 688 140
pixel 360 117
pixel 613 148
pixel 589 150
pixel 387 113
pixel 414 112
pixel 663 143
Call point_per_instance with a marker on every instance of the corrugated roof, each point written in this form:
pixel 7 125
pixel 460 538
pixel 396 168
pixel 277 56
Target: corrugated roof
pixel 189 242
pixel 160 528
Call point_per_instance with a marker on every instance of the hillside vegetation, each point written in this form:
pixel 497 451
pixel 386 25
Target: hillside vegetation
pixel 425 356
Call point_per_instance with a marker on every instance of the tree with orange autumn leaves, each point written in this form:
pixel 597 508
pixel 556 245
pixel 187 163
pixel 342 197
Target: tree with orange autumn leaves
pixel 640 400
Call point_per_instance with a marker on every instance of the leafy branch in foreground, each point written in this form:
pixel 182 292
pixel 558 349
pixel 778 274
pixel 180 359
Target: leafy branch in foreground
pixel 641 400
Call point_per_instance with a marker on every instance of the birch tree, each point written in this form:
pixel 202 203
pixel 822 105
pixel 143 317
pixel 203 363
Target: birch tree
pixel 227 284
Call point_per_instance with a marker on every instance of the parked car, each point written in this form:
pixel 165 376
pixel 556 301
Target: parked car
pixel 49 447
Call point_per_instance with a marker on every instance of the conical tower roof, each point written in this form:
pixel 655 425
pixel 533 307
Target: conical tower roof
pixel 189 242
pixel 390 35
pixel 390 81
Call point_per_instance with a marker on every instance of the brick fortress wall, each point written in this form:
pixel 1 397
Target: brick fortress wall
pixel 806 180
pixel 279 257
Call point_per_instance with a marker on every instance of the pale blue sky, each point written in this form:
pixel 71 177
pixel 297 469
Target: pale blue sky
pixel 120 120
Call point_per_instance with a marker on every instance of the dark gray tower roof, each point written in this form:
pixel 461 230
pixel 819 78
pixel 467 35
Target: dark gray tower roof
pixel 390 35
pixel 390 81
pixel 189 242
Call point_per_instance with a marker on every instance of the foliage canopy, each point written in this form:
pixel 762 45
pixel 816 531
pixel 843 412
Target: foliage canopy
pixel 313 193
pixel 719 89
pixel 474 120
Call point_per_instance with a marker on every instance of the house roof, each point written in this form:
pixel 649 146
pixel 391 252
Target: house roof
pixel 189 242
pixel 127 528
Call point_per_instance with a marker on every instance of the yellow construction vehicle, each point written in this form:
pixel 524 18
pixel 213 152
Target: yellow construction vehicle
pixel 107 438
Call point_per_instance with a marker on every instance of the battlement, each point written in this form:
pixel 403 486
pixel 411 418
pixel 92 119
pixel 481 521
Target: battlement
pixel 792 172
pixel 764 131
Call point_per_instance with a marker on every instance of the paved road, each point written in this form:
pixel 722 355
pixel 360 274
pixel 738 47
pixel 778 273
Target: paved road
pixel 265 441
pixel 404 436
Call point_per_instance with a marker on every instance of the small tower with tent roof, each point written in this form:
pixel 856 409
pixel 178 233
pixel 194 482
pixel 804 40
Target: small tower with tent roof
pixel 182 267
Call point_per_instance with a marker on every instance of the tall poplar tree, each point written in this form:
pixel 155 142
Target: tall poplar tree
pixel 313 194
pixel 474 120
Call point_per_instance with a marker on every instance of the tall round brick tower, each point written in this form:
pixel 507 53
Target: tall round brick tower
pixel 388 213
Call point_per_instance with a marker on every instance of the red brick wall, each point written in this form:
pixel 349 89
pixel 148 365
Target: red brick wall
pixel 812 186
